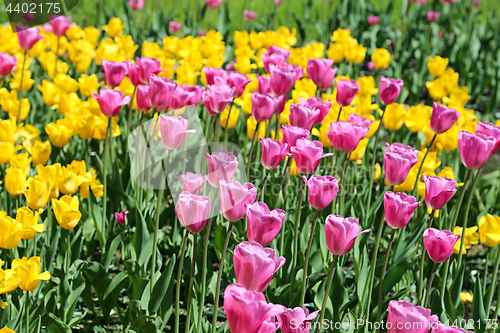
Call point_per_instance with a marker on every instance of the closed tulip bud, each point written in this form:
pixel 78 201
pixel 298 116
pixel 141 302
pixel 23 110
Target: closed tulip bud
pixel 273 152
pixel 7 64
pixel 321 190
pixel 40 152
pixel 60 24
pixel 248 311
pixel 475 149
pixel 398 161
pixel 399 208
pixel 307 154
pixel 12 232
pixel 282 79
pixel 237 81
pixel 193 211
pixel 432 16
pixel 29 272
pixel 439 244
pixel 192 182
pixel 437 65
pixel 160 92
pixel 120 217
pixel 29 221
pixel 27 36
pixel 442 118
pixel 8 150
pixel 114 72
pixel 303 116
pixel 263 106
pixel 489 230
pixel 221 166
pixel 111 101
pixel 438 191
pixel 218 97
pixel 292 133
pixel 344 136
pixel 296 320
pixel 320 71
pixel 174 26
pixel 173 131
pixel 274 56
pixel 15 181
pixel 255 266
pixel 147 67
pixel 404 313
pixel 264 86
pixel 346 91
pixel 341 233
pixel 372 20
pixel 489 129
pixel 317 103
pixel 37 193
pixel 59 133
pixel 136 5
pixel 263 224
pixel 234 198
pixel 212 73
pixel 142 98
pixel 389 90
pixel 66 211
pixel 8 282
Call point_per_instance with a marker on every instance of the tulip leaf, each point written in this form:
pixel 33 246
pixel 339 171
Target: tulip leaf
pixel 160 287
pixel 54 324
pixel 478 313
pixel 110 253
pixel 77 287
pixel 115 283
pixel 456 286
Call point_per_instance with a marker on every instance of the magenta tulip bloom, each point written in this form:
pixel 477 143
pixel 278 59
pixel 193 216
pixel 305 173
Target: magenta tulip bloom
pixel 399 208
pixel 136 5
pixel 475 149
pixel 263 224
pixel 173 131
pixel 489 129
pixel 360 121
pixel 432 16
pixel 441 328
pixel 142 98
pixel 114 72
pixel 193 211
pixel 143 69
pixel 321 190
pixel 317 103
pixel 280 104
pixel 439 244
pixel 345 136
pixel 28 17
pixel 218 97
pixel 213 3
pixel 346 91
pixel 7 64
pixel 292 133
pixel 320 71
pixel 438 191
pixel 134 74
pixel 442 118
pixel 27 36
pixel 303 116
pixel 476 4
pixel 180 98
pixel 211 73
pixel 299 71
pixel 296 320
pixel 192 182
pixel 341 233
pixel 60 24
pixel 197 92
pixel 397 164
pixel 262 106
pixel 410 318
pixel 276 56
pixel 249 15
pixel 111 101
pixel 277 2
pixel 247 311
pixel 234 198
pixel 400 148
pixel 221 165
pixel 174 26
pixel 282 79
pixel 160 92
pixel 372 20
pixel 389 90
pixel 273 152
pixel 120 217
pixel 371 66
pixel 255 266
pixel 264 84
pixel 307 155
pixel 237 81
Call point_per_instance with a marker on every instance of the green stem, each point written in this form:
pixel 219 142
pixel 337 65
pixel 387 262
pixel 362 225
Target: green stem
pixel 219 277
pixel 57 56
pixel 257 128
pixel 415 187
pixel 179 278
pixel 129 117
pixel 216 128
pixel 344 174
pixel 486 271
pixel 497 307
pixel 27 310
pixel 68 252
pixel 277 120
pixel 429 285
pixel 422 261
pixel 104 170
pixel 306 259
pixel 382 275
pixel 296 238
pixel 266 174
pixel 286 173
pixel 21 91
pixel 327 292
pixel 191 281
pixel 227 121
pixel 338 116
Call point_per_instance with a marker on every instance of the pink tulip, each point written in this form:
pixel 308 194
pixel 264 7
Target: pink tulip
pixel 282 79
pixel 27 36
pixel 475 149
pixel 211 73
pixel 441 328
pixel 247 311
pixel 111 101
pixel 397 166
pixel 7 64
pixel 321 190
pixel 269 326
pixel 372 20
pixel 307 155
pixel 432 16
pixel 59 24
pixel 277 2
pixel 249 15
pixel 197 94
pixel 399 208
pixel 136 5
pixel 193 211
pixel 410 318
pixel 263 224
pixel 341 233
pixel 442 118
pixel 439 244
pixel 221 166
pixel 218 97
pixel 476 4
pixel 160 92
pixel 213 3
pixel 262 106
pixel 264 84
pixel 255 266
pixel 192 182
pixel 173 131
pixel 28 17
pixel 361 121
pixel 234 198
pixel 292 133
pixel 299 71
pixel 438 191
pixel 346 91
pixel 345 136
pixel 371 66
pixel 276 56
pixel 142 97
pixel 296 320
pixel 114 72
pixel 143 69
pixel 174 26
pixel 303 116
pixel 134 74
pixel 320 71
pixel 317 103
pixel 180 98
pixel 202 32
pixel 389 90
pixel 237 81
pixel 491 130
pixel 120 217
pixel 400 148
pixel 273 152
pixel 280 104
pixel 448 1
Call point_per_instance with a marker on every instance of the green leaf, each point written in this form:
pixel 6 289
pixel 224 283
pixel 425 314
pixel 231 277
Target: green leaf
pixel 70 304
pixel 456 286
pixel 477 307
pixel 161 286
pixel 54 324
pixel 111 252
pixel 115 283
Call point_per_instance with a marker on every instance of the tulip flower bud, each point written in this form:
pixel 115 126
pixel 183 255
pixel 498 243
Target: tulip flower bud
pixel 263 224
pixel 341 233
pixel 439 244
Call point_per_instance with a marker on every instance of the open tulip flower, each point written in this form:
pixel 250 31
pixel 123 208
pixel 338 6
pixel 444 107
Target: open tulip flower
pixel 273 152
pixel 29 221
pixel 173 130
pixel 341 233
pixel 193 211
pixel 66 211
pixel 9 280
pixel 221 166
pixel 275 56
pixel 293 133
pixel 488 129
pixel 317 103
pixel 303 116
pixel 438 191
pixel 404 313
pixel 307 155
pixel 344 136
pixel 234 198
pixel 29 272
pixel 296 320
pixel 475 149
pixel 322 190
pixel 439 244
pixel 111 101
pixel 263 224
pixel 12 231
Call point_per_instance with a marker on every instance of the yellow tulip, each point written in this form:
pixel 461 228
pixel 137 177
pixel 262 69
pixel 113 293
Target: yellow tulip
pixel 436 89
pixel 354 52
pixel 15 82
pixel 381 58
pixel 114 27
pixel 395 114
pixel 21 162
pixel 6 329
pixel 29 221
pixel 341 35
pixel 447 172
pixel 377 172
pixel 15 181
pixel 66 211
pixel 359 152
pixel 10 104
pixel 37 193
pixel 7 149
pixel 418 116
pixel 8 280
pixel 235 112
pixel 69 181
pixel 466 298
pixel 29 272
pixel 12 231
pixel 252 125
pixel 367 86
pixel 471 238
pixel 8 129
pixel 50 92
pixel 437 65
pixel 94 184
pixel 294 171
pixel 50 174
pixel 335 52
pixel 489 230
pixel 59 133
pixel 40 152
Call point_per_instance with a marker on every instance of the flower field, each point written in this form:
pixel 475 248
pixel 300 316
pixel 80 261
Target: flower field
pixel 250 167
